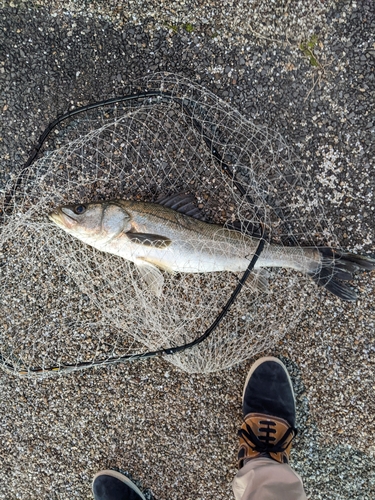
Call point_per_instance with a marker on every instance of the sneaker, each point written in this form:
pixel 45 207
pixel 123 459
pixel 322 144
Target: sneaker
pixel 112 485
pixel 269 413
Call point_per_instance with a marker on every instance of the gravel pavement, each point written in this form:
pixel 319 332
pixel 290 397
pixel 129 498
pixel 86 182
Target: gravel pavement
pixel 305 69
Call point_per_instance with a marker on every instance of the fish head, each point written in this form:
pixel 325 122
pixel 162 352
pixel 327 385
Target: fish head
pixel 92 221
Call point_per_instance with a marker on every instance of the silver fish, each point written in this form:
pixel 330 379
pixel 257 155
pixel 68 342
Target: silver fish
pixel 156 237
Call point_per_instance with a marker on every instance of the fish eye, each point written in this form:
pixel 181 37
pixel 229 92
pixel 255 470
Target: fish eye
pixel 79 209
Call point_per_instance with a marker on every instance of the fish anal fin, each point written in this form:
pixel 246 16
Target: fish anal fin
pixel 258 280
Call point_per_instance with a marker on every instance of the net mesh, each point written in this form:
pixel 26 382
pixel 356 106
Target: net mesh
pixel 66 303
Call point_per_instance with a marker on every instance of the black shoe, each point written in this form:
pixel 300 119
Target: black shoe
pixel 269 412
pixel 112 485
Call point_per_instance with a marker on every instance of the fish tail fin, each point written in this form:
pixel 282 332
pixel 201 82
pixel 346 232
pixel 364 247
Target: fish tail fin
pixel 336 268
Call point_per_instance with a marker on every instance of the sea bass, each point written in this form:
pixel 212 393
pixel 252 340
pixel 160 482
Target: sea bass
pixel 167 236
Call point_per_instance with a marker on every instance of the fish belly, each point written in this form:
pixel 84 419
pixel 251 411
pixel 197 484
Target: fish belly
pixel 196 247
pixel 182 259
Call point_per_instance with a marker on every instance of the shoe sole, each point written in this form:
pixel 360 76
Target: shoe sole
pixel 255 366
pixel 121 477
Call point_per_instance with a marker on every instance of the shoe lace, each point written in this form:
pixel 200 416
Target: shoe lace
pixel 264 443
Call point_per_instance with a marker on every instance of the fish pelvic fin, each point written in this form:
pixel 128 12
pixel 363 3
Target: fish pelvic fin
pixel 151 275
pixel 336 268
pixel 156 263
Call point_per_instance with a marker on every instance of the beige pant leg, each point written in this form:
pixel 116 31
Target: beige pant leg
pixel 265 479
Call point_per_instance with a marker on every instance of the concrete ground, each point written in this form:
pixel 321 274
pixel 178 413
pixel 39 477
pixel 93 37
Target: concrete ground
pixel 303 68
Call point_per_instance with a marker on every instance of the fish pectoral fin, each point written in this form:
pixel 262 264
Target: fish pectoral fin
pixel 151 275
pixel 151 240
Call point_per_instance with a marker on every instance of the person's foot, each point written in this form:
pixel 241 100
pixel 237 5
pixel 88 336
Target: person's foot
pixel 112 485
pixel 269 413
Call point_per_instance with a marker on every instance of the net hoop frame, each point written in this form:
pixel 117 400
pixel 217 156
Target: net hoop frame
pixel 227 170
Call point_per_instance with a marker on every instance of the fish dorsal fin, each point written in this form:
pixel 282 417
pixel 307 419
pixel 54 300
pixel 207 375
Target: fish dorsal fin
pixel 245 227
pixel 150 240
pixel 183 203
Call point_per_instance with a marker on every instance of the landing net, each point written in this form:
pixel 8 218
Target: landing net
pixel 63 303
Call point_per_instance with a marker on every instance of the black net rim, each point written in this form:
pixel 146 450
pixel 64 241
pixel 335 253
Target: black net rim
pixel 153 97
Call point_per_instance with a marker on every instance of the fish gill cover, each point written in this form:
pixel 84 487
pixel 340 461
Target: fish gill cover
pixel 75 305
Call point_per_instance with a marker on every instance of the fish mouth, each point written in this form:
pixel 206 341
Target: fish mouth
pixel 54 216
pixel 61 218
